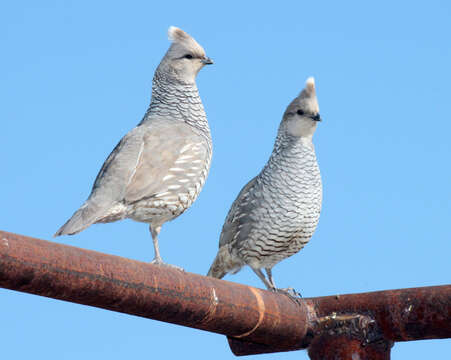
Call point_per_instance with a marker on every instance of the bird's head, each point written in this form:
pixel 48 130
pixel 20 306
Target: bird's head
pixel 302 115
pixel 184 58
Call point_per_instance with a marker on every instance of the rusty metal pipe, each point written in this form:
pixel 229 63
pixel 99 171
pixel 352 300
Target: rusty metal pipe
pixel 402 315
pixel 155 292
pixel 368 323
pixel 255 321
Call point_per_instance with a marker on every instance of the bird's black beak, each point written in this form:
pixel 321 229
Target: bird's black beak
pixel 316 117
pixel 207 61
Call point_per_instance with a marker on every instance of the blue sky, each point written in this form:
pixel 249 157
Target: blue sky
pixel 76 76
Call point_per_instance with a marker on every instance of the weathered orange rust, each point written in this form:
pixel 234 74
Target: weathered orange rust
pixel 255 321
pixel 155 292
pixel 343 347
pixel 402 315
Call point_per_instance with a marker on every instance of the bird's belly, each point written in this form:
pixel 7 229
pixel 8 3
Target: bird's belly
pixel 268 251
pixel 167 204
pixel 282 231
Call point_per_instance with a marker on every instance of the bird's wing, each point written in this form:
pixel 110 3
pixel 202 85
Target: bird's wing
pixel 136 167
pixel 238 220
pixel 169 151
pixel 112 178
pixel 109 185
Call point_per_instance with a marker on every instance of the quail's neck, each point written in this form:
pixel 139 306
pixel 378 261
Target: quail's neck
pixel 292 160
pixel 176 100
pixel 285 142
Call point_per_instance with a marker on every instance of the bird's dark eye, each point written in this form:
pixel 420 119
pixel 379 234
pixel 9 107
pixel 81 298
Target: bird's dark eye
pixel 188 56
pixel 300 112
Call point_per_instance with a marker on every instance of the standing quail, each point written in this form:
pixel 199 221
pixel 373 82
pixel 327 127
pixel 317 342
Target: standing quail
pixel 158 169
pixel 276 213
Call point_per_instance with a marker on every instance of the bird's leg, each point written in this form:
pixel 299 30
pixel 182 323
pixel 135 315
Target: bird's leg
pixel 157 260
pixel 154 231
pixel 292 293
pixel 268 285
pixel 270 278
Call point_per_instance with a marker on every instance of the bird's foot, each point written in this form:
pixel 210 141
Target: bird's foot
pixel 179 268
pixel 160 262
pixel 291 293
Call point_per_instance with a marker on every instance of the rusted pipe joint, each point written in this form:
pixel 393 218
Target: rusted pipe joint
pixel 348 336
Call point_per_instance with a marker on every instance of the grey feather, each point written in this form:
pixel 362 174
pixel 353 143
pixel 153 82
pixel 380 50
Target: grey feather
pixel 276 213
pixel 157 170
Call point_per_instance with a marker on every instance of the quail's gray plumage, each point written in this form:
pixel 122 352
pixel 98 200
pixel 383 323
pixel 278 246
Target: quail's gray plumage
pixel 158 169
pixel 276 213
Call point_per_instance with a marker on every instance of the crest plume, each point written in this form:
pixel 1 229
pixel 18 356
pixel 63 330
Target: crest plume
pixel 310 85
pixel 306 99
pixel 182 40
pixel 177 35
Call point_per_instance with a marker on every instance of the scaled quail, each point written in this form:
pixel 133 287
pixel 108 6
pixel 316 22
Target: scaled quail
pixel 158 169
pixel 276 213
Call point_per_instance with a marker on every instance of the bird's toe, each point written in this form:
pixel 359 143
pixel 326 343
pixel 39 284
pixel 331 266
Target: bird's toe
pixel 291 293
pixel 160 262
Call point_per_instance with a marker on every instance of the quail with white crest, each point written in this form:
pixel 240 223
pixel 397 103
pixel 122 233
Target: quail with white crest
pixel 157 169
pixel 276 213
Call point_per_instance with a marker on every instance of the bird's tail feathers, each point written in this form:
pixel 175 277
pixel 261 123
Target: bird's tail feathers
pixel 223 264
pixel 216 271
pixel 80 220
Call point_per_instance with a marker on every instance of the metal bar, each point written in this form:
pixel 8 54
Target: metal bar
pixel 402 315
pixel 255 321
pixel 379 317
pixel 155 292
